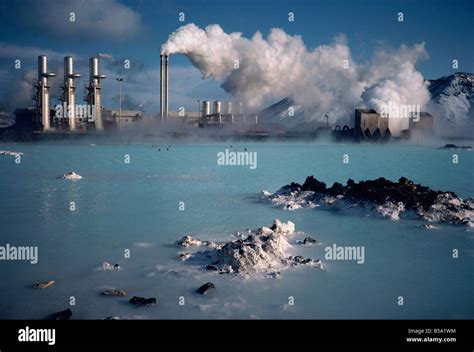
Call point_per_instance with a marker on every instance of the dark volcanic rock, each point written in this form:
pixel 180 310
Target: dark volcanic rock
pixel 309 240
pixel 454 146
pixel 140 301
pixel 292 187
pixel 212 267
pixel 312 184
pixel 336 189
pixel 62 315
pixel 390 198
pixel 205 288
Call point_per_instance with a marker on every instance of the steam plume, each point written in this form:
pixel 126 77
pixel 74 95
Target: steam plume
pixel 320 80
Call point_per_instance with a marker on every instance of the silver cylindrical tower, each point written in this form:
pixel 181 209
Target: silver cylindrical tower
pixel 42 95
pixel 69 92
pixel 206 108
pixel 93 96
pixel 227 107
pixel 217 107
pixel 42 68
pixel 162 88
pixel 166 86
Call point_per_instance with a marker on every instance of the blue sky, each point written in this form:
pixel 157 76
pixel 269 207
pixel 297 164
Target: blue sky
pixel 29 27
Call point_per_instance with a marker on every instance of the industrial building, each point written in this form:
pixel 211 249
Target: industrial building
pixel 424 124
pixel 369 124
pixel 120 118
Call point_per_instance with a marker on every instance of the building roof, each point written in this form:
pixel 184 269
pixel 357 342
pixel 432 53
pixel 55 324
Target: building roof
pixel 367 111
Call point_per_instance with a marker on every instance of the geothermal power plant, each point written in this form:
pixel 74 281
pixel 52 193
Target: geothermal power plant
pixel 91 117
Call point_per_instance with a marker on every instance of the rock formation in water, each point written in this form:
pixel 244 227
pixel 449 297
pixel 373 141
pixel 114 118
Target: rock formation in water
pixel 8 152
pixel 71 176
pixel 44 284
pixel 454 146
pixel 141 302
pixel 387 198
pixel 114 292
pixel 265 251
pixel 108 267
pixel 62 315
pixel 206 288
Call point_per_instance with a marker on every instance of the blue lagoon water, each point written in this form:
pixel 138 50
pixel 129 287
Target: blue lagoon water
pixel 136 207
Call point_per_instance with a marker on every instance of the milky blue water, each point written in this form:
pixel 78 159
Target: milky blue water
pixel 120 205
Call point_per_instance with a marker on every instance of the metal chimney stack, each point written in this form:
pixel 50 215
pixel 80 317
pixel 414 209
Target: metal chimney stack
pixel 164 101
pixel 93 96
pixel 69 92
pixel 166 90
pixel 42 95
pixel 162 89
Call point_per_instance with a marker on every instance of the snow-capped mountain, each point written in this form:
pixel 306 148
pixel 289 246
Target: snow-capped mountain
pixel 452 100
pixel 452 97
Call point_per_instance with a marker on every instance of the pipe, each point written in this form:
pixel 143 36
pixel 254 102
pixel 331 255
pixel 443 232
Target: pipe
pixel 161 88
pixel 166 84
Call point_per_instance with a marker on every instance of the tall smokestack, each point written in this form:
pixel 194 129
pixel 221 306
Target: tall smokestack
pixel 93 96
pixel 69 92
pixel 42 95
pixel 166 85
pixel 162 88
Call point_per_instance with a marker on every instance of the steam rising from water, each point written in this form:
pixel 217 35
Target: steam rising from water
pixel 320 80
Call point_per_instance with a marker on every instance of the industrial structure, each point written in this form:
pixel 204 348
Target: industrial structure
pixel 423 124
pixel 73 118
pixel 368 124
pixel 93 97
pixel 42 95
pixel 222 113
pixel 69 92
pixel 164 102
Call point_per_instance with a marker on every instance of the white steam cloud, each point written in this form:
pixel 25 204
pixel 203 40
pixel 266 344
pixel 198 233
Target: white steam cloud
pixel 325 80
